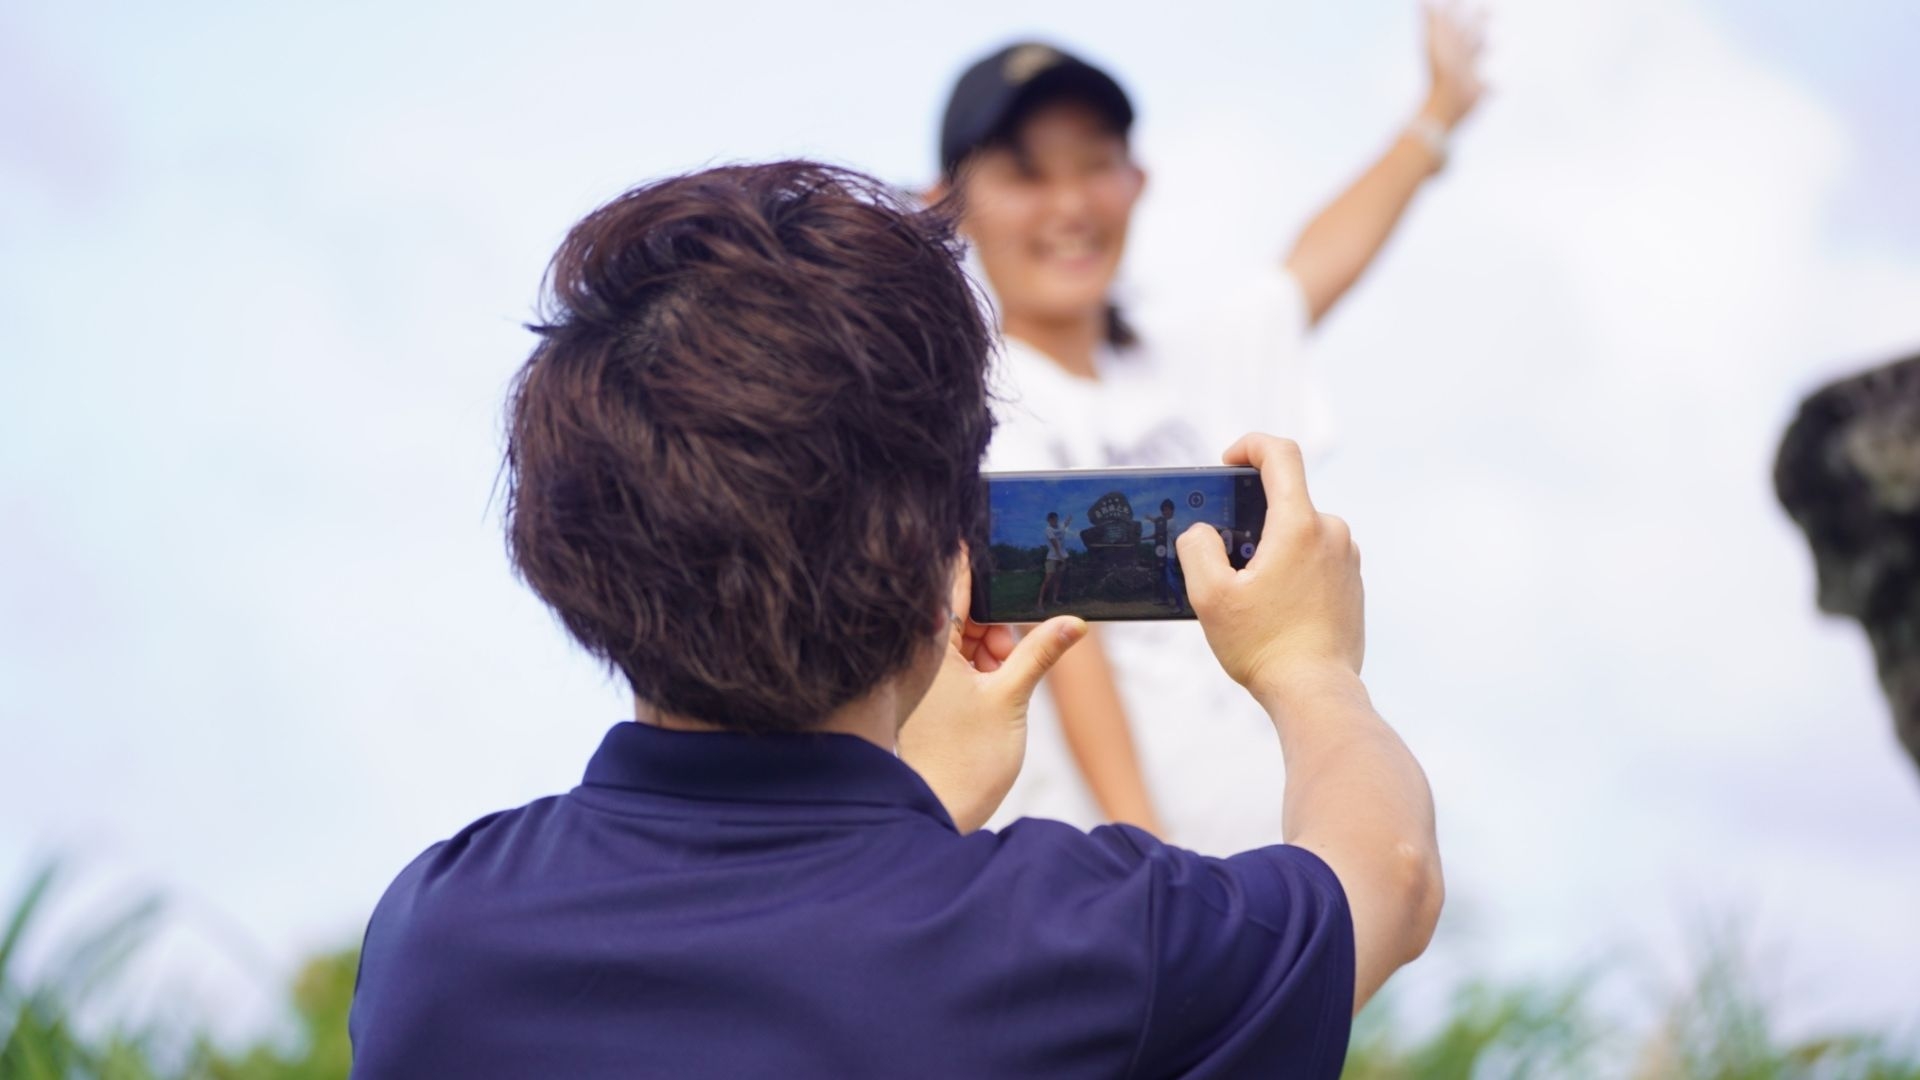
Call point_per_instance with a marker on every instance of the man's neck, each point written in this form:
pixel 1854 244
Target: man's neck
pixel 1069 342
pixel 875 718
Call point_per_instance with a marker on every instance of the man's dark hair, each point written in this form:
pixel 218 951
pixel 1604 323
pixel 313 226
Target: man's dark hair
pixel 747 448
pixel 1166 504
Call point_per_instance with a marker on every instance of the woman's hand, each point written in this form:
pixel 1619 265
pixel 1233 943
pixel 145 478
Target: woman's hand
pixel 1455 37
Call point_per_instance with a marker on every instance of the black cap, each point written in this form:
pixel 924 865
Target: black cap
pixel 998 89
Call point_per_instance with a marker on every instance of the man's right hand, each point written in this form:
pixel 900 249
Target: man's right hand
pixel 1295 613
pixel 1290 627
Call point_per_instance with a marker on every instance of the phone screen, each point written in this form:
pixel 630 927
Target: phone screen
pixel 1099 543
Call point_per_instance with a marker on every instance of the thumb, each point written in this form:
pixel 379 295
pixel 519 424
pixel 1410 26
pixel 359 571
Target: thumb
pixel 1203 559
pixel 1038 651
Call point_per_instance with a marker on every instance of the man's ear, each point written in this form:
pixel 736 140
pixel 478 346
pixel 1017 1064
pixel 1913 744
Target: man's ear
pixel 959 587
pixel 1139 182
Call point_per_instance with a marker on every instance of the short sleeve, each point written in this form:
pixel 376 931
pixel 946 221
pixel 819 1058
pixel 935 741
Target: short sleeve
pixel 1144 960
pixel 1253 965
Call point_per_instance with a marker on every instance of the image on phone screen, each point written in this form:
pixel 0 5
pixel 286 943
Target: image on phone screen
pixel 1099 543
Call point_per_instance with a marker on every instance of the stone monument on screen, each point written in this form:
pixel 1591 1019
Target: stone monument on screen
pixel 1113 551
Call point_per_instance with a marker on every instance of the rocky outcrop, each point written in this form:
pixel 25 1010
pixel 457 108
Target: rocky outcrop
pixel 1113 532
pixel 1849 475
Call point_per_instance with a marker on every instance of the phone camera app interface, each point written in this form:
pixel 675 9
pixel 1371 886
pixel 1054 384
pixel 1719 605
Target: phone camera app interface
pixel 1102 546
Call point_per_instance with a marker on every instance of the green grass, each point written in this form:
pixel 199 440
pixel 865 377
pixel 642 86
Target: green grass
pixel 1015 592
pixel 1716 1026
pixel 1515 1031
pixel 51 1027
pixel 41 1036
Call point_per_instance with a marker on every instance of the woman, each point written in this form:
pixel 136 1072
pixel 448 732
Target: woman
pixel 1035 140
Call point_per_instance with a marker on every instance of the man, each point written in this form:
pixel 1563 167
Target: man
pixel 743 471
pixel 1056 561
pixel 1165 560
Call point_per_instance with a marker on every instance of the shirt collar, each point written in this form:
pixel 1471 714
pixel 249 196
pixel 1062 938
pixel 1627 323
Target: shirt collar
pixel 815 767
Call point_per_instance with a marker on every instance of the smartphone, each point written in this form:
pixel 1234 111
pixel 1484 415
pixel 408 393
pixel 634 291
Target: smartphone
pixel 1099 543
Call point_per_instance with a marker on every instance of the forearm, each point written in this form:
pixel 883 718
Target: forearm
pixel 1094 721
pixel 1342 240
pixel 1356 797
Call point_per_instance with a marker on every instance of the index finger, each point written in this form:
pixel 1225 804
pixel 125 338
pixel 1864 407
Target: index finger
pixel 1283 475
pixel 996 644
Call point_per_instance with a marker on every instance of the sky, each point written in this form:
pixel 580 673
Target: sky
pixel 1020 508
pixel 264 271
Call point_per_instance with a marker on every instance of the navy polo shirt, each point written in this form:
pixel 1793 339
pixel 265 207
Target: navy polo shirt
pixel 801 906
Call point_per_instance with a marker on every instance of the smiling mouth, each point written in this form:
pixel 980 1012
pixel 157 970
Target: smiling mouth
pixel 1078 250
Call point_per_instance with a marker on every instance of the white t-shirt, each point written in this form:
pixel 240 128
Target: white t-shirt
pixel 1056 543
pixel 1198 379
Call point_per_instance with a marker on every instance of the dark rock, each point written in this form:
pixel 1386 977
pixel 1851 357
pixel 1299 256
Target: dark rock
pixel 1113 534
pixel 1123 584
pixel 1849 475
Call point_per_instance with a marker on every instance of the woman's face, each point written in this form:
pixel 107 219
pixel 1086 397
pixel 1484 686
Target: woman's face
pixel 1047 216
